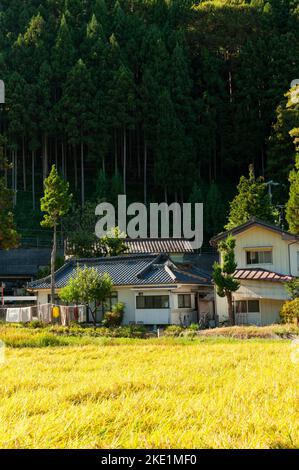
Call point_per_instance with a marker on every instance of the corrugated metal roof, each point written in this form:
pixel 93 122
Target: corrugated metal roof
pixel 130 270
pixel 261 275
pixel 158 245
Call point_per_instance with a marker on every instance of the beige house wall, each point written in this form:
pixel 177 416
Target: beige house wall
pixel 284 251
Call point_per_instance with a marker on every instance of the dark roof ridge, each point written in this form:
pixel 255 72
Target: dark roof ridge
pixel 252 221
pixel 154 261
pixel 115 258
pixel 157 239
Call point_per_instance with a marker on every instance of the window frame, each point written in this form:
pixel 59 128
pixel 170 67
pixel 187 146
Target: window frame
pixel 153 301
pixel 183 296
pixel 258 255
pixel 246 302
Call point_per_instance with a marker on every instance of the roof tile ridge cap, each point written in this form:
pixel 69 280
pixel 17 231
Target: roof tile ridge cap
pixel 171 263
pixel 156 239
pixel 149 265
pixel 171 273
pixel 125 256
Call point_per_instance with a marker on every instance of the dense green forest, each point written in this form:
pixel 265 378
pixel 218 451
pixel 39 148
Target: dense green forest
pixel 164 100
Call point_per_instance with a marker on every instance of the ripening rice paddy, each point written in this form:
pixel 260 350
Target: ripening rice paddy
pixel 151 393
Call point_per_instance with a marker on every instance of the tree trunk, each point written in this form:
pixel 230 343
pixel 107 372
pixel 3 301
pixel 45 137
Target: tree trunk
pixel 215 164
pixel 45 159
pixel 5 166
pixel 145 174
pixel 231 313
pixel 115 152
pixel 230 83
pixel 15 169
pixel 62 158
pixel 182 196
pixel 263 161
pixel 165 194
pixel 138 153
pixel 93 314
pixel 125 160
pixel 56 154
pixel 13 174
pixel 33 179
pixel 53 258
pixel 65 161
pixel 82 176
pixel 75 166
pixel 24 165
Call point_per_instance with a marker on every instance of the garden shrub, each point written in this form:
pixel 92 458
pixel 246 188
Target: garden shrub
pixel 34 324
pixel 174 330
pixel 290 311
pixel 194 327
pixel 115 317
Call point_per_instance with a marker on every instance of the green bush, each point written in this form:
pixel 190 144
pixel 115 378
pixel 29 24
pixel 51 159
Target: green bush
pixel 174 330
pixel 34 324
pixel 115 317
pixel 290 311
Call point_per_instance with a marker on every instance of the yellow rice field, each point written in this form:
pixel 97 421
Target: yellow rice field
pixel 151 393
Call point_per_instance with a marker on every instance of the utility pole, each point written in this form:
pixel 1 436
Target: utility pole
pixel 270 184
pixel 2 92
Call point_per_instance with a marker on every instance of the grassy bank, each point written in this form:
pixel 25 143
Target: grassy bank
pixel 20 336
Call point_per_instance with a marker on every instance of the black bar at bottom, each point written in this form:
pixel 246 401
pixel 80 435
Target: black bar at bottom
pixel 135 458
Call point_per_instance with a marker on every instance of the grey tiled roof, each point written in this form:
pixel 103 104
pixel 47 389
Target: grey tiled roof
pixel 158 245
pixel 131 270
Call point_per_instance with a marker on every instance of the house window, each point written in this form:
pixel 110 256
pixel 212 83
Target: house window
pixel 259 257
pixel 152 301
pixel 112 300
pixel 184 300
pixel 247 306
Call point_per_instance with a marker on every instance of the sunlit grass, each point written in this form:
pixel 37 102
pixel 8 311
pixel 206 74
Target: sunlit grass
pixel 151 393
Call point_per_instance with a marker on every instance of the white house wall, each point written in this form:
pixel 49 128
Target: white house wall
pixel 221 308
pixel 42 296
pixel 148 316
pixel 171 315
pixel 127 296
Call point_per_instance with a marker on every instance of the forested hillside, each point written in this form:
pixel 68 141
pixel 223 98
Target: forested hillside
pixel 159 99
